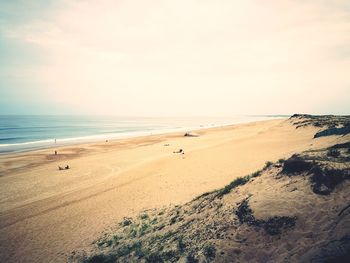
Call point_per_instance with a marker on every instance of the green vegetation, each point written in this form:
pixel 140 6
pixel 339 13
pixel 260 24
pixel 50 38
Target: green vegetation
pixel 191 258
pixel 267 165
pixel 139 252
pixel 144 216
pixel 209 252
pixel 333 152
pixel 180 244
pixel 323 178
pixel 238 181
pixel 127 221
pixel 154 221
pixel 154 258
pixel 272 226
pixel 143 229
pixel 203 195
pixel 296 165
pixel 233 184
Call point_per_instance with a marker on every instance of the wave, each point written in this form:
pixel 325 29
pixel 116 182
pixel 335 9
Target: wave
pixel 11 138
pixel 102 134
pixel 49 143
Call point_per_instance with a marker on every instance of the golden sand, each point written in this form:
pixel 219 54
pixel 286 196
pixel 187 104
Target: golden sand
pixel 45 213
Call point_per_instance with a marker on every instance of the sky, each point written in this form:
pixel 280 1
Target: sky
pixel 174 58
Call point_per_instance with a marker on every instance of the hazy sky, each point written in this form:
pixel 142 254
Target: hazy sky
pixel 176 58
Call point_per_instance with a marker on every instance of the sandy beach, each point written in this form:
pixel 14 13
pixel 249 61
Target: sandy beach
pixel 45 214
pixel 174 131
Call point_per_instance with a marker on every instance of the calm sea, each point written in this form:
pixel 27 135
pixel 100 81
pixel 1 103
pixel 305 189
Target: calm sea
pixel 23 133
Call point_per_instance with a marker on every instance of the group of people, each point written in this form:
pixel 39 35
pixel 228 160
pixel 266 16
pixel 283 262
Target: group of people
pixel 63 168
pixel 60 167
pixel 180 151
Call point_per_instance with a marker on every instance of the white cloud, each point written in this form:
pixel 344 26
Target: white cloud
pixel 163 57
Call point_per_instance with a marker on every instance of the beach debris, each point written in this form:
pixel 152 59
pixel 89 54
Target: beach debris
pixel 60 168
pixel 67 167
pixel 167 144
pixel 190 134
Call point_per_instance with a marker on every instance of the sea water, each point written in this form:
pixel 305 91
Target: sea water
pixel 23 133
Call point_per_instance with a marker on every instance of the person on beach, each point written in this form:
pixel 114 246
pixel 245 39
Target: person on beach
pixel 180 151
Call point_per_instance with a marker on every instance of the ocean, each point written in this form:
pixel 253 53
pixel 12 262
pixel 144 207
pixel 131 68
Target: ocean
pixel 24 133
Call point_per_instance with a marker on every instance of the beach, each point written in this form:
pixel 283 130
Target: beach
pixel 46 214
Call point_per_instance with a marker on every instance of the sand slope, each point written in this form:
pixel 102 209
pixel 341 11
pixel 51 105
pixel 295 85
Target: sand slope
pixel 294 210
pixel 45 213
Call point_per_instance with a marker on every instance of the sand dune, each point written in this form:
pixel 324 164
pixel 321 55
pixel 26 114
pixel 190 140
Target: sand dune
pixel 45 214
pixel 273 215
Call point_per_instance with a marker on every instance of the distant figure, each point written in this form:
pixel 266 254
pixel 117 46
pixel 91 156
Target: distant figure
pixel 55 140
pixel 55 152
pixel 106 140
pixel 67 167
pixel 180 151
pixel 189 134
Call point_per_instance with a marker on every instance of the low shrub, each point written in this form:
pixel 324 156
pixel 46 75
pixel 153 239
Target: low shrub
pixel 323 181
pixel 272 225
pixel 233 184
pixel 209 252
pixel 296 164
pixel 144 216
pixel 191 258
pixel 127 221
pixel 267 165
pixel 100 259
pixel 333 152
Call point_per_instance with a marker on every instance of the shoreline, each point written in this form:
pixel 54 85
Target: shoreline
pixel 39 157
pixel 103 138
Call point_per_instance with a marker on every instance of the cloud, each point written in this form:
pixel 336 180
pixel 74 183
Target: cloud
pixel 138 57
